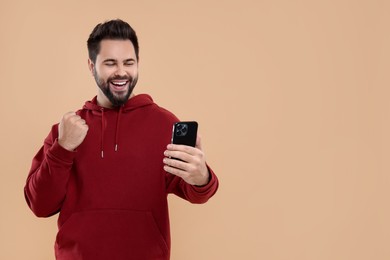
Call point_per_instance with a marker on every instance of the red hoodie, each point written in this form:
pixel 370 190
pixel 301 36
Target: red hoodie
pixel 112 191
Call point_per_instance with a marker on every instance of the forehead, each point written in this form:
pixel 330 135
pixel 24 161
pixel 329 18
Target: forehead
pixel 116 49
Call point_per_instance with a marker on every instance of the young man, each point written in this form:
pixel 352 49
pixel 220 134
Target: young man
pixel 108 168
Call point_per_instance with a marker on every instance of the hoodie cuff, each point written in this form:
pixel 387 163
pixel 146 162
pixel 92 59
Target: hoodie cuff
pixel 212 182
pixel 59 153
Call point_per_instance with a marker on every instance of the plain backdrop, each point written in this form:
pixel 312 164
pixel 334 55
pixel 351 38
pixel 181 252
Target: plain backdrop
pixel 292 101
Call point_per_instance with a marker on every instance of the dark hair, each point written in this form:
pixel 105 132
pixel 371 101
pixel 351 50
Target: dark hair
pixel 113 30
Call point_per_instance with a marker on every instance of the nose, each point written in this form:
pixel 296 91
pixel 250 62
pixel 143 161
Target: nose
pixel 120 71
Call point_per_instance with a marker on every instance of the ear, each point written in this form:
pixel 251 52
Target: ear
pixel 91 66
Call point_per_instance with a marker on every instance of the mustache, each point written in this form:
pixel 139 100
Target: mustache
pixel 120 78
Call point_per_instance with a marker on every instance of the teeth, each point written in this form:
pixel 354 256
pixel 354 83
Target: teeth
pixel 122 83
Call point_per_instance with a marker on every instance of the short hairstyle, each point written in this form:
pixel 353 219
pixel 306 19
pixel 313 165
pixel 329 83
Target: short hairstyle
pixel 113 30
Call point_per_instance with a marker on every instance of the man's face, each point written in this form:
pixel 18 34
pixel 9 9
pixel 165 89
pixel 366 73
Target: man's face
pixel 115 72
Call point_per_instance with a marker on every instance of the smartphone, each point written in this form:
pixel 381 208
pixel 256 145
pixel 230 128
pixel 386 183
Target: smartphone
pixel 185 133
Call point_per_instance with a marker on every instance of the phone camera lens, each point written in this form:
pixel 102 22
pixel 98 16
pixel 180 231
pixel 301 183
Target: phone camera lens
pixel 181 129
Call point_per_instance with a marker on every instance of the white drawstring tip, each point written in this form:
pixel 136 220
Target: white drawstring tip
pixel 116 147
pixel 102 154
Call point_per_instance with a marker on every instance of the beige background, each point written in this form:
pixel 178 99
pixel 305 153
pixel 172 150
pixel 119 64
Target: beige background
pixel 292 101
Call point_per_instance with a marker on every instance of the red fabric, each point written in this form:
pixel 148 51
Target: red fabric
pixel 111 207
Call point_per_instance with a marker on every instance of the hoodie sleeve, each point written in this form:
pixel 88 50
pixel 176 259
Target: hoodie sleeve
pixel 192 193
pixel 47 180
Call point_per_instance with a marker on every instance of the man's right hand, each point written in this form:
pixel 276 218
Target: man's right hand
pixel 71 131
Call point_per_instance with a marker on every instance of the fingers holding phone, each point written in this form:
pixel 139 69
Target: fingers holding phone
pixel 184 157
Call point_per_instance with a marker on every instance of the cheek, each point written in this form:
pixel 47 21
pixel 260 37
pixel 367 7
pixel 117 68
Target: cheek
pixel 104 74
pixel 134 71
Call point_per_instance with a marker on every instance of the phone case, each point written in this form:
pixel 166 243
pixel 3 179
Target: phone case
pixel 185 133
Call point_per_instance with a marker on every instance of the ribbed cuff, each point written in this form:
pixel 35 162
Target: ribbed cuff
pixel 60 153
pixel 206 187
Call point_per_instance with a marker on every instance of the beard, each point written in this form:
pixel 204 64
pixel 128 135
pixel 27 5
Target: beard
pixel 116 99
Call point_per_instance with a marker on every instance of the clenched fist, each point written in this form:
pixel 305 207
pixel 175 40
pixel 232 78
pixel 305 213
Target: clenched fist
pixel 71 131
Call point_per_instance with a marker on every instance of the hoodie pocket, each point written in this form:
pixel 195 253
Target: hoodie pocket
pixel 111 234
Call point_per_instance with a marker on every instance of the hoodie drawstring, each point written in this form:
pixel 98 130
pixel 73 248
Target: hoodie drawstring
pixel 117 127
pixel 116 131
pixel 102 137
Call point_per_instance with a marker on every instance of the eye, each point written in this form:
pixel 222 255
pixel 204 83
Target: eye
pixel 109 64
pixel 130 63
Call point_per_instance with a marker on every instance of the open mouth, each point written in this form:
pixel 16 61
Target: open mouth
pixel 119 85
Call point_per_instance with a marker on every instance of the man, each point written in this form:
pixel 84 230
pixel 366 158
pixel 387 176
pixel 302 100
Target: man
pixel 108 168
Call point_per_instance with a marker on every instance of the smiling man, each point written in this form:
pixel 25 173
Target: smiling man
pixel 107 168
pixel 116 78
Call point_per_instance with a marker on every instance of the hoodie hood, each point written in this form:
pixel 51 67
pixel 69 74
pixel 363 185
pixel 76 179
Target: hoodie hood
pixel 133 103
